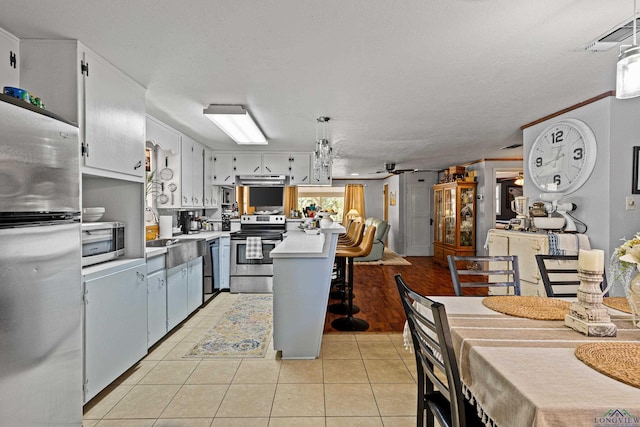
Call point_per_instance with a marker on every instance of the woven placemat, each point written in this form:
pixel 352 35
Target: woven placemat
pixel 530 307
pixel 618 360
pixel 619 303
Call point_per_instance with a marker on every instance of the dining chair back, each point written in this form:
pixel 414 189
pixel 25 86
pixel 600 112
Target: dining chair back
pixel 485 271
pixel 559 274
pixel 435 362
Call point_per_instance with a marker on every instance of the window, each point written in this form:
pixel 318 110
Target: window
pixel 328 198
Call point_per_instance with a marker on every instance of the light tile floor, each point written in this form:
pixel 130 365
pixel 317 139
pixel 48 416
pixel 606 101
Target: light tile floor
pixel 363 379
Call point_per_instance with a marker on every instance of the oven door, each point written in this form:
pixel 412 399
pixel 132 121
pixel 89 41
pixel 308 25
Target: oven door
pixel 241 266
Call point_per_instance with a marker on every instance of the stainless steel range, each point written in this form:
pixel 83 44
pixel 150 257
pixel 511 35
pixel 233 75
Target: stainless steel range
pixel 249 274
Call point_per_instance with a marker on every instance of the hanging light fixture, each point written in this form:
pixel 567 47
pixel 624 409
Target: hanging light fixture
pixel 323 156
pixel 628 69
pixel 520 179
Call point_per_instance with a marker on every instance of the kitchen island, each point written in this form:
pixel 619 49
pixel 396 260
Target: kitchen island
pixel 302 267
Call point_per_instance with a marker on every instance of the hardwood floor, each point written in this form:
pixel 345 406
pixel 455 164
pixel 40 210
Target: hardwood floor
pixel 377 296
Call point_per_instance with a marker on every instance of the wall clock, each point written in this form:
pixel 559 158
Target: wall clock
pixel 563 156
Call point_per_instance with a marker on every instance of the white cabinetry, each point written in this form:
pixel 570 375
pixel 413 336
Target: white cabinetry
pixel 248 163
pixel 225 261
pixel 223 173
pixel 192 178
pixel 161 135
pixel 276 163
pixel 9 60
pixel 184 291
pixel 299 169
pixel 525 246
pixel 210 190
pixel 156 299
pixel 115 324
pixel 109 107
pixel 194 284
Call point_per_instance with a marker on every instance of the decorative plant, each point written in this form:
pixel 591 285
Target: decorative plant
pixel 151 185
pixel 625 261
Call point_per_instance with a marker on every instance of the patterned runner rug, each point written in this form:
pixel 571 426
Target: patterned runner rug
pixel 243 331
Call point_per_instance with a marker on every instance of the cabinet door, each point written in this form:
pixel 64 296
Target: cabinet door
pixel 275 163
pixel 194 283
pixel 114 119
pixel 156 306
pixel 9 60
pixel 186 177
pixel 162 135
pixel 197 170
pixel 223 173
pixel 438 216
pixel 225 260
pixel 177 307
pixel 210 198
pixel 115 326
pixel 248 164
pixel 299 171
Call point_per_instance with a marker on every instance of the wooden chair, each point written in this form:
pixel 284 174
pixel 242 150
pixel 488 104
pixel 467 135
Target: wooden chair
pixel 559 275
pixel 435 360
pixel 484 271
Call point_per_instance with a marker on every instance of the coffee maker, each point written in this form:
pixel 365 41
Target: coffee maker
pixel 187 220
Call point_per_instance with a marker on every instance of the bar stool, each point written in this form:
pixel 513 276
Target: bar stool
pixel 339 281
pixel 351 323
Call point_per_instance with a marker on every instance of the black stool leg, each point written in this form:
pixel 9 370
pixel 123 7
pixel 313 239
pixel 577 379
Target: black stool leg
pixel 350 323
pixel 342 307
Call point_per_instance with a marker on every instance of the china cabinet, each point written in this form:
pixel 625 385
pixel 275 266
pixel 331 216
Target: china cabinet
pixel 454 225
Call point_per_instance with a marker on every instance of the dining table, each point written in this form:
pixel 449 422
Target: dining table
pixel 521 372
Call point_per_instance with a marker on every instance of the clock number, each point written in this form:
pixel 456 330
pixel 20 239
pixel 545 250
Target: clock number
pixel 577 154
pixel 538 161
pixel 557 137
pixel 556 179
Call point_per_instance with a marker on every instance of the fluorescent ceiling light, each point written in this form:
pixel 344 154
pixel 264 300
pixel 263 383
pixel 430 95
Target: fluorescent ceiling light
pixel 354 174
pixel 237 123
pixel 628 69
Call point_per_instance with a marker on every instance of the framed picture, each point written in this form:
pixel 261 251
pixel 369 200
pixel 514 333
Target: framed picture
pixel 147 159
pixel 635 185
pixel 392 198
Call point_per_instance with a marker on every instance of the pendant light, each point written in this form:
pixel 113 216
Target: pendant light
pixel 323 155
pixel 628 69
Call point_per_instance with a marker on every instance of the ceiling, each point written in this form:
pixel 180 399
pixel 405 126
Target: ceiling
pixel 421 83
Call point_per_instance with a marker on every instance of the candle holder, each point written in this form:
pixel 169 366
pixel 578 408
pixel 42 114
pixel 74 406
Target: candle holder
pixel 589 316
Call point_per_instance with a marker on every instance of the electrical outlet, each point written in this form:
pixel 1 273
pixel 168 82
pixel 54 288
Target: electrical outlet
pixel 630 203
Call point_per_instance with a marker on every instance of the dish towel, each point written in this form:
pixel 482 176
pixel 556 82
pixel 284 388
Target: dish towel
pixel 254 248
pixel 567 244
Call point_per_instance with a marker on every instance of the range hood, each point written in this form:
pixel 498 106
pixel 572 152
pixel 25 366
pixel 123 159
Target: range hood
pixel 261 180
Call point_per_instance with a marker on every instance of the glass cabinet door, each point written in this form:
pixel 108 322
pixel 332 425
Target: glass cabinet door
pixel 438 215
pixel 466 216
pixel 450 216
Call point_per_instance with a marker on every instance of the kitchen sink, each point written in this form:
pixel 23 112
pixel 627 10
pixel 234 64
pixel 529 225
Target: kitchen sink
pixel 179 251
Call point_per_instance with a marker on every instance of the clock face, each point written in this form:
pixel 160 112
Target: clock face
pixel 563 156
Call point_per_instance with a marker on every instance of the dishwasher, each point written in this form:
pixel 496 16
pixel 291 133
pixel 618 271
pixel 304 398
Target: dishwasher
pixel 211 270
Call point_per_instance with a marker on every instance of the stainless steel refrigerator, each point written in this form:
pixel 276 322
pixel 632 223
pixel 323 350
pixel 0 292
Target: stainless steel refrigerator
pixel 40 273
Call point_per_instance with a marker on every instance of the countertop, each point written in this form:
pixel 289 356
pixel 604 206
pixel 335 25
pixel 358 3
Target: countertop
pixel 298 244
pixel 206 235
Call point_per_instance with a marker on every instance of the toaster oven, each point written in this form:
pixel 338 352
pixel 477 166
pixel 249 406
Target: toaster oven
pixel 102 241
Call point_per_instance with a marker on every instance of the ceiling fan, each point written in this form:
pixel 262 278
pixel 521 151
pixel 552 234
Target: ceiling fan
pixel 391 168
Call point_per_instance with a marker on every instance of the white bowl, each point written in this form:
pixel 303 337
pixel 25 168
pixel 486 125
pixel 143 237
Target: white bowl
pixel 312 231
pixel 91 217
pixel 548 222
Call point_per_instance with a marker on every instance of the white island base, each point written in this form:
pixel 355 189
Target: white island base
pixel 302 267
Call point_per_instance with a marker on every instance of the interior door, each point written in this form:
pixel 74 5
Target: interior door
pixel 419 215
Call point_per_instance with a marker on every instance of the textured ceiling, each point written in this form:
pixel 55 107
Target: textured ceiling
pixel 421 83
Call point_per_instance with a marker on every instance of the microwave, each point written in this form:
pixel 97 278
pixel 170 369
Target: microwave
pixel 102 241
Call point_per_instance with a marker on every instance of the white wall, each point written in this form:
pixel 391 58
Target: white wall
pixel 601 200
pixel 396 214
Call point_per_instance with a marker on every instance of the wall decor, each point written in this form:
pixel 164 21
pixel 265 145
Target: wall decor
pixel 635 185
pixel 392 198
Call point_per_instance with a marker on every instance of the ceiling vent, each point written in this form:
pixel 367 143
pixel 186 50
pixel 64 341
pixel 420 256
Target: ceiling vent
pixel 613 37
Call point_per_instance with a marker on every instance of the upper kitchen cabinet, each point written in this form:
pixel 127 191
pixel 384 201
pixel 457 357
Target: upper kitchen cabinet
pixel 9 60
pixel 276 163
pixel 192 154
pixel 162 136
pixel 210 190
pixel 223 169
pixel 248 164
pixel 299 169
pixel 83 87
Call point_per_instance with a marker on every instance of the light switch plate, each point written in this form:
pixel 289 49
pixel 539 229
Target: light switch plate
pixel 630 203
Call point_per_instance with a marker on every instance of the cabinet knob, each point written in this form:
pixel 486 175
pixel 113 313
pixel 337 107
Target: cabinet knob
pixel 138 165
pixel 256 169
pixel 267 168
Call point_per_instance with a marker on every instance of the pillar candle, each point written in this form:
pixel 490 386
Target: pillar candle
pixel 592 260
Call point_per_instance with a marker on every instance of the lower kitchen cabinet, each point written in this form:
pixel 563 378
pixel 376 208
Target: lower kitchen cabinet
pixel 156 306
pixel 115 324
pixel 225 261
pixel 184 291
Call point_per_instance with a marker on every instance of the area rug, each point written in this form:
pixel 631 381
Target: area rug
pixel 243 331
pixel 389 257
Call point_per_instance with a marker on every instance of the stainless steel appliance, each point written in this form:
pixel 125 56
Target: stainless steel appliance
pixel 102 241
pixel 210 270
pixel 40 278
pixel 254 275
pixel 188 222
